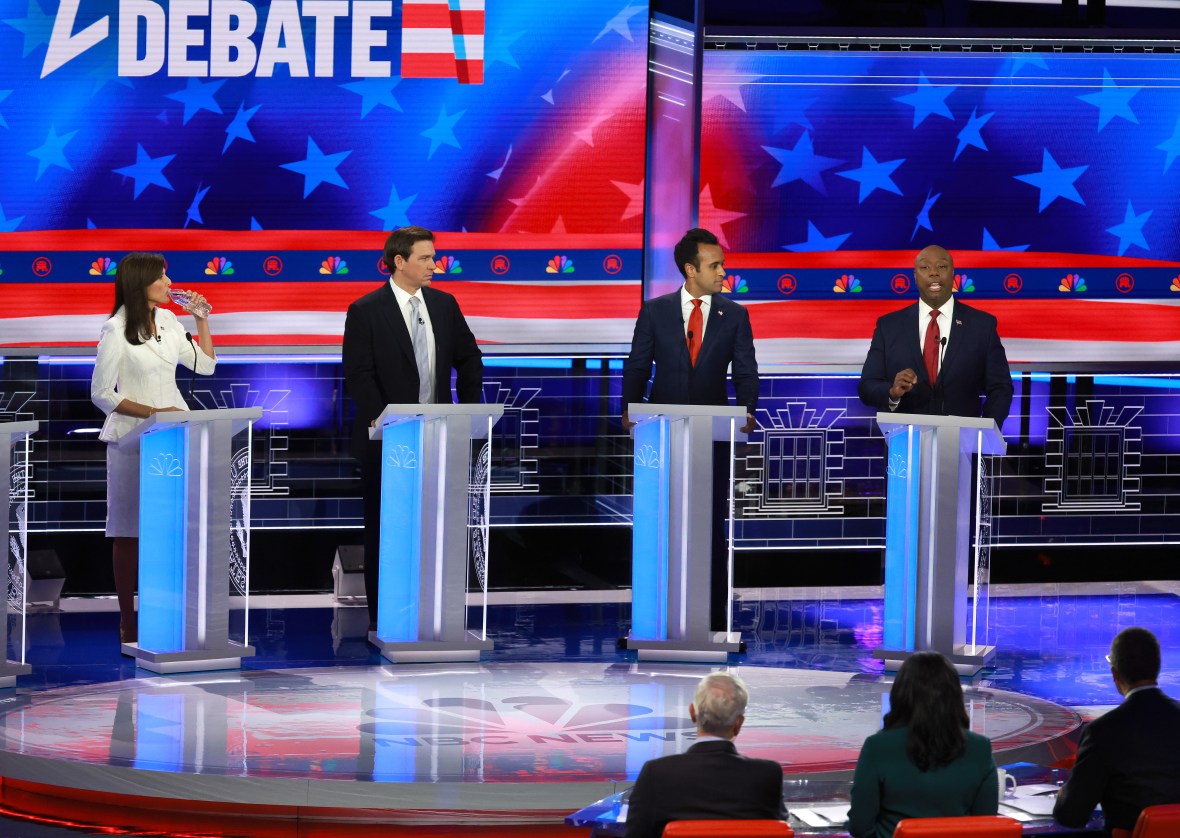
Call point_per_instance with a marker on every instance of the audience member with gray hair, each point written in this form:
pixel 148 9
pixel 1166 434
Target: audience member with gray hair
pixel 711 780
pixel 1128 759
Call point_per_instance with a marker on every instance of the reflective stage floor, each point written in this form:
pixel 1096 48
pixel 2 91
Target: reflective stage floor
pixel 554 718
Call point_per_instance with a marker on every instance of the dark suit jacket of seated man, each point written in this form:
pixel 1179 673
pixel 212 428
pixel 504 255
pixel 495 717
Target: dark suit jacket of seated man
pixel 1128 759
pixel 972 362
pixel 711 780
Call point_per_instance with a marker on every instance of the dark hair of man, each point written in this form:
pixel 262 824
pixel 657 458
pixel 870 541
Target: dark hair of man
pixel 401 241
pixel 136 271
pixel 1135 655
pixel 688 248
pixel 927 698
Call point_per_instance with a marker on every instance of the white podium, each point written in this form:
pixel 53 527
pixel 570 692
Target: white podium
pixel 16 537
pixel 931 534
pixel 434 513
pixel 671 554
pixel 194 512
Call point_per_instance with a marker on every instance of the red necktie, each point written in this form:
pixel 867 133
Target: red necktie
pixel 695 326
pixel 931 347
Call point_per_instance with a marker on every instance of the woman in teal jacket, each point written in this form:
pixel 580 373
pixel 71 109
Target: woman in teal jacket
pixel 925 763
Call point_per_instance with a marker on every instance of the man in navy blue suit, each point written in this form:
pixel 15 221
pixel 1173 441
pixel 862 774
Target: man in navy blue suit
pixel 938 356
pixel 1128 759
pixel 693 336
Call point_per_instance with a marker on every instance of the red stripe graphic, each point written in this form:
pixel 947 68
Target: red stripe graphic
pixel 426 16
pixel 470 22
pixel 421 65
pixel 1055 320
pixel 470 71
pixel 333 241
pixel 508 300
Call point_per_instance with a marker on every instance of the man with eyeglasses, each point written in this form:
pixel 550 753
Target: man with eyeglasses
pixel 1128 759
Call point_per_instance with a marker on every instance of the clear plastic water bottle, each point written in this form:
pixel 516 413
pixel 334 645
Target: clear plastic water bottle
pixel 184 299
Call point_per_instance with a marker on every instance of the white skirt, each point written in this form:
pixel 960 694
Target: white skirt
pixel 122 492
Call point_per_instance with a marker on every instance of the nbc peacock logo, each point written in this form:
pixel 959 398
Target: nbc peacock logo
pixel 333 265
pixel 734 284
pixel 219 266
pixel 1175 284
pixel 1072 283
pixel 447 265
pixel 963 284
pixel 560 265
pixel 102 266
pixel 847 284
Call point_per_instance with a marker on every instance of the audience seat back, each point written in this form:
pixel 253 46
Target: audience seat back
pixel 728 829
pixel 981 826
pixel 1158 822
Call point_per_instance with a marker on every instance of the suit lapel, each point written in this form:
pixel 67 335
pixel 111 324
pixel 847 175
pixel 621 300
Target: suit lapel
pixel 917 362
pixel 674 315
pixel 438 324
pixel 395 324
pixel 960 335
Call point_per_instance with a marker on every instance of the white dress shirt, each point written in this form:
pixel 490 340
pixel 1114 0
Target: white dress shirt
pixel 403 302
pixel 946 316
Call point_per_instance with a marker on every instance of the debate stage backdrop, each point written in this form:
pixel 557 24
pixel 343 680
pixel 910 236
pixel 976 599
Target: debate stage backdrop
pixel 265 147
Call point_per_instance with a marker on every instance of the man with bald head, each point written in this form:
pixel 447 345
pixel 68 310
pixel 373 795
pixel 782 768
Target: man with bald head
pixel 938 356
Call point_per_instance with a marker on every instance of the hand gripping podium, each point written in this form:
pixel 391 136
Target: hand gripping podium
pixel 17 576
pixel 433 510
pixel 194 510
pixel 671 553
pixel 931 534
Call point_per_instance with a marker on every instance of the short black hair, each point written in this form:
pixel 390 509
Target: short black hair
pixel 1135 655
pixel 688 248
pixel 401 241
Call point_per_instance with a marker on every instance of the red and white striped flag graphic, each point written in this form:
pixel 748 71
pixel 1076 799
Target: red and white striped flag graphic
pixel 443 39
pixel 467 24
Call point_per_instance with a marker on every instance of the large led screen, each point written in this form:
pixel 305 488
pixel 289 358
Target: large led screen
pixel 265 147
pixel 1051 177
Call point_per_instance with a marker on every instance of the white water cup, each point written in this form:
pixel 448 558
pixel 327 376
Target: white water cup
pixel 1006 782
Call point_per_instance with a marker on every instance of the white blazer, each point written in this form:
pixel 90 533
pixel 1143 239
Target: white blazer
pixel 145 373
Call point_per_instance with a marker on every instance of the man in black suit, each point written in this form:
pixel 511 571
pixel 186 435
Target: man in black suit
pixel 1128 759
pixel 711 780
pixel 693 336
pixel 389 335
pixel 938 365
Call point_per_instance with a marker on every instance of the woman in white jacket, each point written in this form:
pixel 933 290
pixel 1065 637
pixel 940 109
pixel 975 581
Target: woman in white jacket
pixel 135 378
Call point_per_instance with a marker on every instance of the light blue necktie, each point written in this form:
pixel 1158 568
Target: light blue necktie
pixel 421 350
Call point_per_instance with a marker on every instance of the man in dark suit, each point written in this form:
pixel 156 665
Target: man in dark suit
pixel 390 334
pixel 711 780
pixel 941 364
pixel 1128 759
pixel 693 336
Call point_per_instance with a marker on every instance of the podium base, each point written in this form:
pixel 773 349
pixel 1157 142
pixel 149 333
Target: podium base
pixel 964 662
pixel 195 660
pixel 716 648
pixel 9 670
pixel 431 651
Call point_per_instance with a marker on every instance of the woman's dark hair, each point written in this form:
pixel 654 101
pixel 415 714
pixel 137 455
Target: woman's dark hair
pixel 927 698
pixel 135 273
